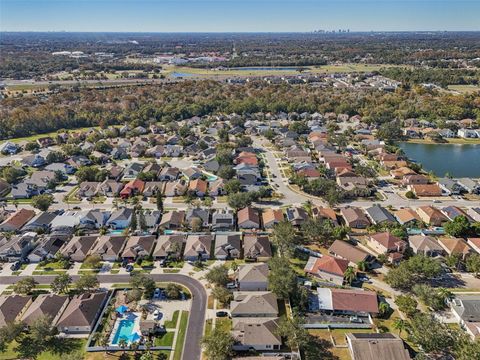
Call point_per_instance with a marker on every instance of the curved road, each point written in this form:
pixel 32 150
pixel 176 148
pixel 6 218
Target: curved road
pixel 192 347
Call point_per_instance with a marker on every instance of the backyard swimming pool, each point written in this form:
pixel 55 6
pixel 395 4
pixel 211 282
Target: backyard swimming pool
pixel 124 331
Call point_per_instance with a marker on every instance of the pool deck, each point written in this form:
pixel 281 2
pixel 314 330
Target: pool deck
pixel 136 327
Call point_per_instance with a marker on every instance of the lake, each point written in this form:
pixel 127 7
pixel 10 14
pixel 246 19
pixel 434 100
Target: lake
pixel 457 160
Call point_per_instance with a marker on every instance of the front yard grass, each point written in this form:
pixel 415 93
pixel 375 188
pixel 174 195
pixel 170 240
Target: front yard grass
pixel 182 331
pixel 224 324
pixel 165 339
pixel 172 324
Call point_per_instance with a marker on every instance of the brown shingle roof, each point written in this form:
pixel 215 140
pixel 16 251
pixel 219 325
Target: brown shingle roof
pixel 355 300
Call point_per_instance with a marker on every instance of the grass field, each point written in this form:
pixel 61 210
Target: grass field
pixel 464 89
pixel 172 324
pixel 324 69
pixel 182 332
pixel 450 141
pixel 165 340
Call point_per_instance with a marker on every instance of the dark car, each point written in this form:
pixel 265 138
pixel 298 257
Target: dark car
pixel 129 268
pixel 15 266
pixel 222 314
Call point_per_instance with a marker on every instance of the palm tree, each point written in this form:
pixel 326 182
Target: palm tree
pixel 104 343
pixel 349 275
pixel 383 308
pixel 362 265
pixel 445 294
pixel 400 325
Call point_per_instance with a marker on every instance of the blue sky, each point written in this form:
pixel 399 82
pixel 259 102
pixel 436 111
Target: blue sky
pixel 238 15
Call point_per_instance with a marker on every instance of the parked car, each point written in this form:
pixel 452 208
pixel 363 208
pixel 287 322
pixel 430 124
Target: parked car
pixel 15 266
pixel 222 314
pixel 157 293
pixel 231 285
pixel 163 263
pixel 129 268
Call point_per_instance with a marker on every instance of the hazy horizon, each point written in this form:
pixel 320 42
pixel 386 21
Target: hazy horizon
pixel 234 16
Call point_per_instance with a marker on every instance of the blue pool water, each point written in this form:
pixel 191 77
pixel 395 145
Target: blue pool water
pixel 124 330
pixel 115 232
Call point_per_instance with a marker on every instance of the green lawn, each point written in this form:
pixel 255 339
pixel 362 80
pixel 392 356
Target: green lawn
pixel 208 327
pixel 54 265
pixel 49 272
pixel 71 346
pixel 172 324
pixel 165 339
pixel 182 331
pixel 224 324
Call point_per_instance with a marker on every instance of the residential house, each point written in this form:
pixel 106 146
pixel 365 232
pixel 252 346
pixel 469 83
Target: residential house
pixel 347 302
pixel 16 247
pixel 40 222
pixel 414 179
pixel 470 185
pixel 78 248
pixel 259 334
pixel 223 220
pixel 34 160
pixel 82 313
pixel 254 304
pixel 173 220
pixel 87 189
pixel 425 190
pixel 151 220
pixel 256 247
pixel 379 215
pixel 51 305
pixel 453 245
pixel 198 247
pixel 474 213
pixel 466 311
pixel 152 188
pixel 388 244
pixel 325 213
pixel 344 250
pixel 66 222
pixel 120 219
pixel 271 217
pixel 248 218
pixel 9 148
pixel 327 268
pixel 138 247
pixel 453 212
pixel 192 173
pixel 169 173
pixel 354 218
pixel 217 188
pixel 109 188
pixel 252 277
pixel 431 215
pixel 17 220
pixel 198 187
pixel 175 188
pixel 132 170
pixel 296 215
pixel 93 219
pixel 228 246
pixel 196 214
pixel 132 188
pixel 12 308
pixel 425 245
pixel 450 186
pixel 47 248
pixel 407 216
pixel 474 243
pixel 373 346
pixel 109 247
pixel 169 246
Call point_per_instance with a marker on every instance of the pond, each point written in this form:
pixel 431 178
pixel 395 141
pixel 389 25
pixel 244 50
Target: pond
pixel 454 159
